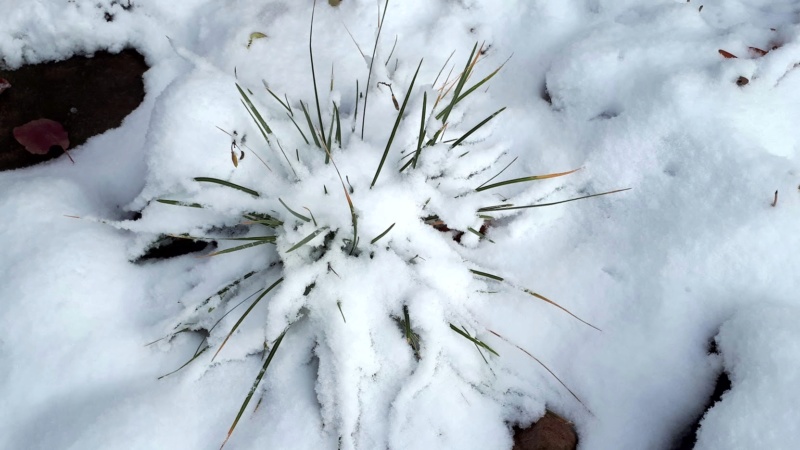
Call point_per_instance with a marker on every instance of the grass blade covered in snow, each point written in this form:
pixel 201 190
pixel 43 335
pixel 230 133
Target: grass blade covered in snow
pixel 524 179
pixel 306 239
pixel 475 341
pixel 396 125
pixel 257 381
pixel 509 207
pixel 378 237
pixel 244 315
pixel 227 184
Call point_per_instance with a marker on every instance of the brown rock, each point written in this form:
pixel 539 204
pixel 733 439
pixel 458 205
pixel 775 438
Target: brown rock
pixel 87 95
pixel 551 432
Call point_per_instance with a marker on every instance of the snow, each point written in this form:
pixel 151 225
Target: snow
pixel 641 99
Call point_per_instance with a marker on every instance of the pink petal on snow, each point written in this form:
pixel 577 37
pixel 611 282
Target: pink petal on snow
pixel 39 135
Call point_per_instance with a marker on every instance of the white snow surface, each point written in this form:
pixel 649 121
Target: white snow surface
pixel 640 98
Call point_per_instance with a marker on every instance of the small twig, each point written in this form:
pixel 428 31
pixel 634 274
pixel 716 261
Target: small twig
pixel 775 200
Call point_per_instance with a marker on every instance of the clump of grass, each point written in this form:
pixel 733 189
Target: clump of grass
pixel 288 223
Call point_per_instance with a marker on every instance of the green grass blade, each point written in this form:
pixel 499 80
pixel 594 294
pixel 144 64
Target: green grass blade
pixel 547 300
pixel 476 127
pixel 371 62
pixel 445 113
pixel 240 247
pixel 421 130
pixel 442 69
pixel 285 105
pixel 377 238
pixel 330 139
pixel 509 207
pixel 313 72
pixel 250 107
pixel 543 365
pixel 196 355
pixel 480 83
pixel 255 385
pixel 227 184
pixel 524 180
pixel 294 213
pixel 306 239
pixel 303 135
pixel 179 203
pixel 206 238
pixel 487 275
pixel 499 173
pixel 475 341
pixel 338 125
pixel 396 125
pixel 264 219
pixel 310 124
pixel 244 315
pixel 479 234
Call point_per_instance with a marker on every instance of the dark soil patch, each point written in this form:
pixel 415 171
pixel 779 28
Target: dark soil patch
pixel 688 438
pixel 169 247
pixel 551 432
pixel 87 95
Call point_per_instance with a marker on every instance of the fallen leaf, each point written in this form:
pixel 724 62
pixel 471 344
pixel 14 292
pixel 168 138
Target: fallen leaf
pixel 4 84
pixel 38 136
pixel 741 81
pixel 253 36
pixel 726 54
pixel 758 51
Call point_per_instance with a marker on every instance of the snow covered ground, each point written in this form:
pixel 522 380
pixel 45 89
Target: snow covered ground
pixel 641 98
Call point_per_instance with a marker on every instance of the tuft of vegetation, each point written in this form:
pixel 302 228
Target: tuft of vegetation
pixel 324 243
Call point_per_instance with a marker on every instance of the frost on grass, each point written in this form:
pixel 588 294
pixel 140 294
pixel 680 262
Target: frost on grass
pixel 365 248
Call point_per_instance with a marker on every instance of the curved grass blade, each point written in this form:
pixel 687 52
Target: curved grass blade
pixel 475 341
pixel 487 275
pixel 306 239
pixel 310 124
pixel 369 75
pixel 255 385
pixel 480 83
pixel 543 365
pixel 285 105
pixel 294 213
pixel 509 207
pixel 196 355
pixel 445 114
pixel 421 130
pixel 207 238
pixel 198 351
pixel 396 125
pixel 377 238
pixel 479 234
pixel 476 127
pixel 254 111
pixel 227 184
pixel 298 128
pixel 524 179
pixel 247 311
pixel 313 72
pixel 240 247
pixel 338 125
pixel 353 215
pixel 499 173
pixel 179 203
pixel 442 69
pixel 545 299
